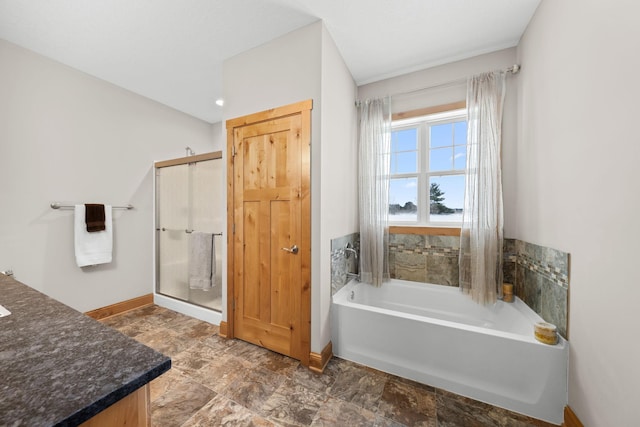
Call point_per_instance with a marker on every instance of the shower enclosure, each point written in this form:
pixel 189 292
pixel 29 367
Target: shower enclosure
pixel 189 199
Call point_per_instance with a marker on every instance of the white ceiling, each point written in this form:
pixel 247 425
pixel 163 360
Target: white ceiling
pixel 172 50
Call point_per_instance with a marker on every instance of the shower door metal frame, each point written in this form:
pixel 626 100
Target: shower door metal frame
pixel 214 155
pixel 190 159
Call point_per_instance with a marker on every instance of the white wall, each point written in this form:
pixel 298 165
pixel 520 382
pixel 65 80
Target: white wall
pixel 283 71
pixel 68 137
pixel 406 96
pixel 577 190
pixel 306 64
pixel 218 137
pixel 339 192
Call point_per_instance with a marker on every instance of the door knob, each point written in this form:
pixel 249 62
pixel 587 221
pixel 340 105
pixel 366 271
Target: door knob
pixel 293 249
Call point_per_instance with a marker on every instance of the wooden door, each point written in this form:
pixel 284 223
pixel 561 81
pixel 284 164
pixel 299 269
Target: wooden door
pixel 270 298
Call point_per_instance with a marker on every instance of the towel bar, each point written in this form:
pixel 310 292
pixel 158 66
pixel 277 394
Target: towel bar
pixel 186 231
pixel 56 205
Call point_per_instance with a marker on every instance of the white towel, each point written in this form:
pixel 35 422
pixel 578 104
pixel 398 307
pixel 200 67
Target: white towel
pixel 92 248
pixel 202 261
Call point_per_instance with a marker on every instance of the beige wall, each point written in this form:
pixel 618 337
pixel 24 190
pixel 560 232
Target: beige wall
pixel 406 97
pixel 577 189
pixel 69 137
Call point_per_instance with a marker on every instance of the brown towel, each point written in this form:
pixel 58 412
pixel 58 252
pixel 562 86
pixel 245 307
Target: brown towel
pixel 94 217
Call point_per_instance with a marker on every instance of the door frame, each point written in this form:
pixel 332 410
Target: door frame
pixel 302 108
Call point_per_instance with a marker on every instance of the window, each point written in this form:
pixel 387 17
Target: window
pixel 428 159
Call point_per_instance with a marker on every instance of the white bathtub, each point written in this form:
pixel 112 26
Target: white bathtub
pixel 438 336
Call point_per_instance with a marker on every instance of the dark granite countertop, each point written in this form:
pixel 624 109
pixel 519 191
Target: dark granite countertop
pixel 59 367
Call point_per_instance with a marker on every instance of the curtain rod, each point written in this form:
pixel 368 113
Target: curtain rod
pixel 514 69
pixel 56 205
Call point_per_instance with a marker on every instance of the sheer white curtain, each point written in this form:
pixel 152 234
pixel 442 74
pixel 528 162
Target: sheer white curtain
pixel 482 222
pixel 374 146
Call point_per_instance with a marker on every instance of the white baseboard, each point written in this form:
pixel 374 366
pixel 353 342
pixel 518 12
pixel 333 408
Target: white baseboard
pixel 204 314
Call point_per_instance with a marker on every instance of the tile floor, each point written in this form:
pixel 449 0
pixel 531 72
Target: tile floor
pixel 220 382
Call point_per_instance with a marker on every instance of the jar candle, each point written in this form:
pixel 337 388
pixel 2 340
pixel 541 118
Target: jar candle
pixel 546 333
pixel 507 292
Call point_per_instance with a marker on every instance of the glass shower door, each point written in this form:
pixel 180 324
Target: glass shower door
pixel 208 216
pixel 188 199
pixel 173 216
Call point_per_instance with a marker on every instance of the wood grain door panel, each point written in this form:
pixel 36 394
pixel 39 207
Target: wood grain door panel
pixel 270 285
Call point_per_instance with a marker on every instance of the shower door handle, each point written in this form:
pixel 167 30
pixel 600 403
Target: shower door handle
pixel 293 249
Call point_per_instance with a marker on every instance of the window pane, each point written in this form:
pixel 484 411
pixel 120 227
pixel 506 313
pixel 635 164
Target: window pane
pixel 406 162
pixel 404 140
pixel 441 135
pixel 441 159
pixel 460 157
pixel 446 198
pixel 460 133
pixel 403 199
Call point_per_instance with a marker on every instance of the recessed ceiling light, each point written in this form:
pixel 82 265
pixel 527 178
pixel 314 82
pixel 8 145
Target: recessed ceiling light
pixel 220 102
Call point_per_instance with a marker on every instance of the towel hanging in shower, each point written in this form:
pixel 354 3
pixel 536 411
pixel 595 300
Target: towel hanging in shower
pixel 202 261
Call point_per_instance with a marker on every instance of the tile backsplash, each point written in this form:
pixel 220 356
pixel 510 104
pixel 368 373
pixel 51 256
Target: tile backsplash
pixel 420 258
pixel 343 262
pixel 540 275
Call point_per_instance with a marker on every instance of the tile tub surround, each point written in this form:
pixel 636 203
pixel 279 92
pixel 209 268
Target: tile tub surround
pixel 540 276
pixel 424 258
pixel 340 262
pixel 509 260
pixel 215 381
pixel 428 259
pixel 60 367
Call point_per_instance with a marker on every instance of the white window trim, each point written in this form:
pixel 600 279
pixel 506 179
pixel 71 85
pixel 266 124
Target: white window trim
pixel 423 174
